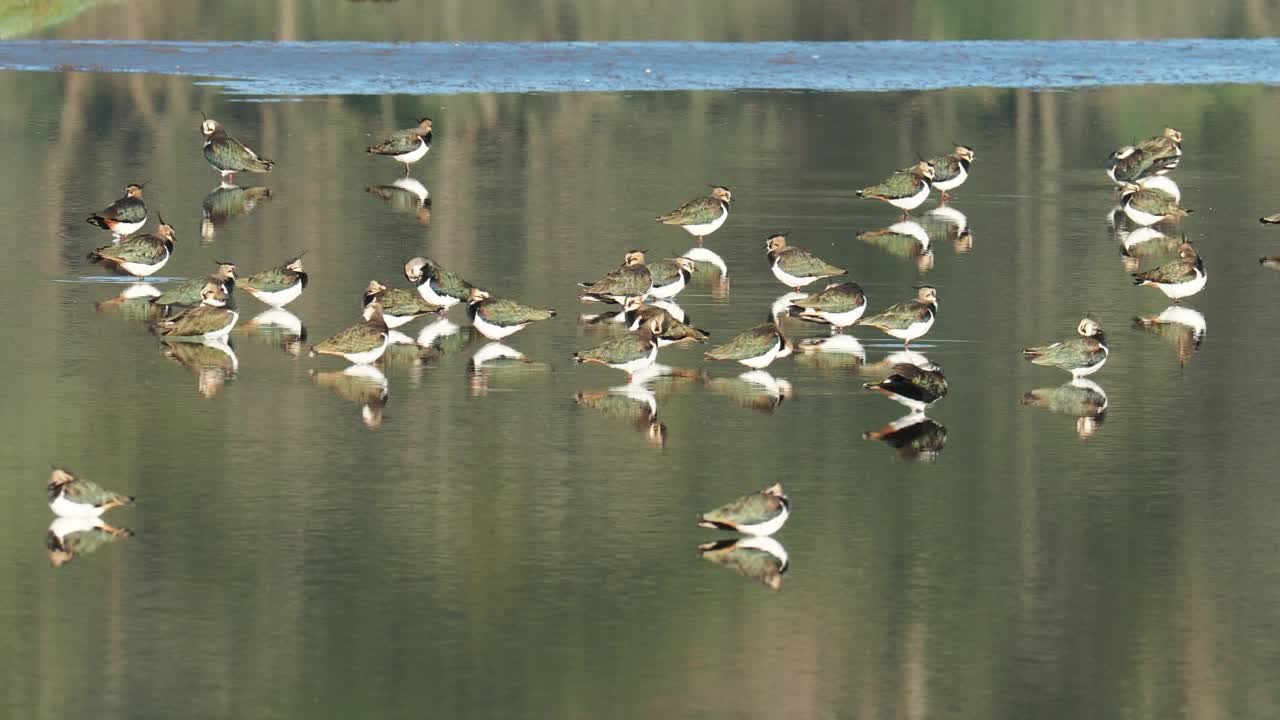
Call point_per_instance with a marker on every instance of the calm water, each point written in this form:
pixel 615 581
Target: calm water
pixel 494 547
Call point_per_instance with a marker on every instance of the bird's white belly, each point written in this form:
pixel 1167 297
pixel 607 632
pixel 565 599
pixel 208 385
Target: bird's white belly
pixel 415 154
pixel 495 332
pixel 226 330
pixel 639 363
pixel 913 201
pixel 1185 289
pixel 429 294
pixel 62 507
pixel 123 229
pixel 393 321
pixel 670 289
pixel 278 298
pixel 846 318
pixel 790 280
pixel 1081 372
pixel 763 361
pixel 143 270
pixel 708 228
pixel 954 182
pixel 767 527
pixel 912 331
pixel 368 356
pixel 1140 217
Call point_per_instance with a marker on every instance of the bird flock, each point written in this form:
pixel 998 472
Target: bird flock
pixel 203 311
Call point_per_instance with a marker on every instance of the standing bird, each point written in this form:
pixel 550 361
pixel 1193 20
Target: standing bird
pixel 123 217
pixel 406 146
pixel 212 319
pixel 497 318
pixel 701 216
pixel 756 347
pixel 228 155
pixel 840 305
pixel 907 320
pixel 672 330
pixel 1080 356
pixel 905 189
pixel 631 280
pixel 795 267
pixel 360 344
pixel 670 276
pixel 761 513
pixel 629 353
pixel 138 256
pixel 187 293
pixel 912 385
pixel 950 171
pixel 437 285
pixel 72 497
pixel 278 286
pixel 1181 278
pixel 1150 205
pixel 398 306
pixel 1153 156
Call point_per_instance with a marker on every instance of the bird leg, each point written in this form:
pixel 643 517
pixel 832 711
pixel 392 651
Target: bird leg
pixel 945 197
pixel 406 169
pixel 905 216
pixel 699 241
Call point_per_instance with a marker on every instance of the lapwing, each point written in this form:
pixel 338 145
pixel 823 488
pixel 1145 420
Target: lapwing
pixel 398 306
pixel 760 513
pixel 406 146
pixel 905 189
pixel 1079 356
pixel 212 319
pixel 139 256
pixel 839 305
pixel 123 217
pixel 74 497
pixel 908 320
pixel 229 156
pixel 794 267
pixel 632 279
pixel 360 344
pixel 278 286
pixel 1181 278
pixel 701 216
pixel 496 318
pixel 437 285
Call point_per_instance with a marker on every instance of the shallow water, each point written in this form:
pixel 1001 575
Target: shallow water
pixel 500 545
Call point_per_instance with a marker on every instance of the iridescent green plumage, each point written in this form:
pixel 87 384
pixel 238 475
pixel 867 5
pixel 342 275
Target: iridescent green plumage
pixel 670 329
pixel 632 279
pixel 800 263
pixel 838 298
pixel 360 338
pixel 402 303
pixel 751 343
pixel 196 322
pixel 404 141
pixel 1181 270
pixel 187 292
pixel 900 316
pixel 128 209
pixel 276 279
pixel 66 484
pixel 754 509
pixel 1069 399
pixel 698 211
pixel 505 313
pixel 621 350
pixel 665 272
pixel 902 184
pixel 228 155
pixel 1076 355
pixel 145 249
pixel 1155 202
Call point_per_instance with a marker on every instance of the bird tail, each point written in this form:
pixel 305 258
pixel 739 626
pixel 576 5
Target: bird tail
pixel 97 222
pixel 1139 280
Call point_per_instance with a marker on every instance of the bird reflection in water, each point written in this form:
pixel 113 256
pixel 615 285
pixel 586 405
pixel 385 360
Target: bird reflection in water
pixel 133 303
pixel 279 328
pixel 445 337
pixel 1081 398
pixel 1182 326
pixel 834 352
pixel 406 194
pixel 914 436
pixel 762 559
pixel 719 280
pixel 494 360
pixel 226 202
pixel 361 384
pixel 631 402
pixel 906 239
pixel 213 362
pixel 71 537
pixel 755 390
pixel 952 225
